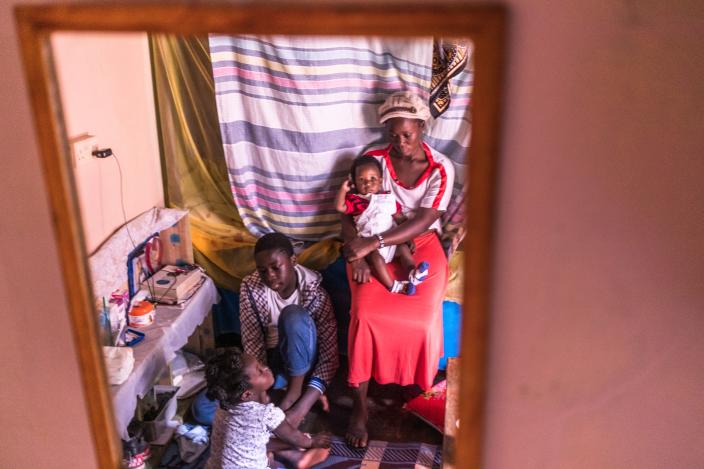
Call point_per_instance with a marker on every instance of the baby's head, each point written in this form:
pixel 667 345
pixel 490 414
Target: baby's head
pixel 234 377
pixel 366 174
pixel 275 261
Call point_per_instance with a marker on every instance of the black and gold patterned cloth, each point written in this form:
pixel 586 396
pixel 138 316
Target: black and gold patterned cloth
pixel 449 58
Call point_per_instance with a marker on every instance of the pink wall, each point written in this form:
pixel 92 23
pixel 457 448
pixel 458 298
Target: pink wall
pixel 596 350
pixel 596 357
pixel 43 419
pixel 106 89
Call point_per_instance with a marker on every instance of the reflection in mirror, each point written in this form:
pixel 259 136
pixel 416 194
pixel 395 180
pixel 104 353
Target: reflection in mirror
pixel 255 134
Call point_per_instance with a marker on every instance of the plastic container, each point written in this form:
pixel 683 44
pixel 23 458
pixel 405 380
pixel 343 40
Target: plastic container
pixel 160 411
pixel 105 329
pixel 141 314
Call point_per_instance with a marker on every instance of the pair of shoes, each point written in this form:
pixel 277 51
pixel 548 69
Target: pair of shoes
pixel 136 450
pixel 136 461
pixel 416 277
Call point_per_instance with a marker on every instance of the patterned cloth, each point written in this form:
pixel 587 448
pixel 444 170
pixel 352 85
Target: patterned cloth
pixel 240 436
pixel 449 59
pixel 382 454
pixel 294 112
pixel 255 315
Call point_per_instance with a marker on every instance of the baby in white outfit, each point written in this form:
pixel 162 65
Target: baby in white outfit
pixel 376 212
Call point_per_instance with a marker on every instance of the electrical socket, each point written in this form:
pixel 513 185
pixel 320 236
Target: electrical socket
pixel 82 147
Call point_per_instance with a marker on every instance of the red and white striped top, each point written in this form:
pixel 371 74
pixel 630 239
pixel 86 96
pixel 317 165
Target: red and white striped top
pixel 433 189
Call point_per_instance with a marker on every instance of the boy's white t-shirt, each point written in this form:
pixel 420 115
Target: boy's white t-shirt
pixel 240 436
pixel 277 304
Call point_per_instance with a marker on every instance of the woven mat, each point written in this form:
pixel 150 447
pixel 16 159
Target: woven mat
pixel 383 455
pixel 377 455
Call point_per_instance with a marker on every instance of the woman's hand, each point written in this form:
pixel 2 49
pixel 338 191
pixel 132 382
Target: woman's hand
pixel 361 273
pixel 357 248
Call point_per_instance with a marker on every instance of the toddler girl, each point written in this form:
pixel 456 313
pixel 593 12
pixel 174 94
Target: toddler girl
pixel 245 420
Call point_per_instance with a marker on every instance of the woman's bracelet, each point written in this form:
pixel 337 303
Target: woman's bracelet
pixel 381 241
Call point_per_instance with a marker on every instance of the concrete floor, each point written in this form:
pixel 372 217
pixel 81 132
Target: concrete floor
pixel 388 421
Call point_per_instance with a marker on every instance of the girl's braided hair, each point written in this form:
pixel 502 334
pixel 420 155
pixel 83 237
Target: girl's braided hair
pixel 226 378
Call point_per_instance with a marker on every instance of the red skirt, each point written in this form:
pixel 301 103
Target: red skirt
pixel 395 338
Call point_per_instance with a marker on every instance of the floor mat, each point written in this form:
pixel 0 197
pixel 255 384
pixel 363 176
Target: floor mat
pixel 383 455
pixel 377 455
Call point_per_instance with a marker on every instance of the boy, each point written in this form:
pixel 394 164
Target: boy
pixel 287 323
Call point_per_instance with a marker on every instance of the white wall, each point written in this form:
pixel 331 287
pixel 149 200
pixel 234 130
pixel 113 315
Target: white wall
pixel 106 90
pixel 596 352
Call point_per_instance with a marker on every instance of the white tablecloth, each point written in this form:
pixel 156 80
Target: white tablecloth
pixel 169 332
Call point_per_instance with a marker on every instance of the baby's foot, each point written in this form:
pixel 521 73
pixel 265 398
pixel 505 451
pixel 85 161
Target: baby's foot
pixel 419 274
pixel 410 289
pixel 312 457
pixel 399 286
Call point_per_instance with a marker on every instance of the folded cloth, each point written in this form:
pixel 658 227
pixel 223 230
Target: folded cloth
pixel 119 362
pixel 192 441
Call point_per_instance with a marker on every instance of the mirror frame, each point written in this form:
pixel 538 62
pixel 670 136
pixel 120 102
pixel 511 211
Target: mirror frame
pixel 484 25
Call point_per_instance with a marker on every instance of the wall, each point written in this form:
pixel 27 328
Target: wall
pixel 596 346
pixel 106 90
pixel 42 410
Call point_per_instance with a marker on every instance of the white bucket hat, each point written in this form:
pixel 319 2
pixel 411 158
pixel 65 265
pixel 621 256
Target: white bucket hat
pixel 403 104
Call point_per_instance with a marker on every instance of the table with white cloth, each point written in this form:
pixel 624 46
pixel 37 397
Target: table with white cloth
pixel 170 331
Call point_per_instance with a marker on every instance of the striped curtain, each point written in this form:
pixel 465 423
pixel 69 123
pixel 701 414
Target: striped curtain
pixel 294 112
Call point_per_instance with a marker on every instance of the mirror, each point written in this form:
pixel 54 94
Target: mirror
pixel 482 26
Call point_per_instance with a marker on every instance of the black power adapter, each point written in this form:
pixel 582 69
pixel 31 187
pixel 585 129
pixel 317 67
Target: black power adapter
pixel 102 152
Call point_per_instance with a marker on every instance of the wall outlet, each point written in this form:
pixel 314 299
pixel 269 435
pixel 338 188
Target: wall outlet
pixel 82 147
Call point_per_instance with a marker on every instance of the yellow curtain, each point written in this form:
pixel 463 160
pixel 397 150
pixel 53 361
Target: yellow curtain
pixel 193 163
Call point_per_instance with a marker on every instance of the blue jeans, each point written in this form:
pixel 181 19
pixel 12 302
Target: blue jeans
pixel 298 344
pixel 295 356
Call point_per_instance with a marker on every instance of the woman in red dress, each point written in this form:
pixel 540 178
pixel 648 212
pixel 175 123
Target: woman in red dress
pixel 398 338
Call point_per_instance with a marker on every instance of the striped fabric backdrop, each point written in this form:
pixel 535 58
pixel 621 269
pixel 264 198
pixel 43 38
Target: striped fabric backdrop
pixel 294 112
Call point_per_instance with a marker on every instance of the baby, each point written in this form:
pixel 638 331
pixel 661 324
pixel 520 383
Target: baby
pixel 245 420
pixel 376 212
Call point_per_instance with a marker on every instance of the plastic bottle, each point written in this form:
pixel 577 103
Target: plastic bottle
pixel 105 328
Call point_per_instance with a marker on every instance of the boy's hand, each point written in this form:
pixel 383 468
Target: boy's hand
pixel 321 440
